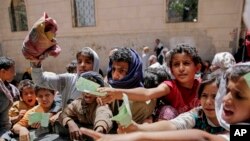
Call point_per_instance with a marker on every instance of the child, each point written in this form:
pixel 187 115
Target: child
pixel 87 60
pixel 85 111
pixel 181 93
pixel 45 98
pixel 7 73
pixel 28 101
pixel 202 117
pixel 235 107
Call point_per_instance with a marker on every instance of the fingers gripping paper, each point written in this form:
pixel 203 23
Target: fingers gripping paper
pixel 43 118
pixel 124 117
pixel 87 86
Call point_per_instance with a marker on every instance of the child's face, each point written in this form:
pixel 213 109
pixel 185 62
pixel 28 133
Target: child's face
pixel 184 69
pixel 45 98
pixel 29 96
pixel 84 64
pixel 119 70
pixel 236 104
pixel 9 74
pixel 207 100
pixel 89 98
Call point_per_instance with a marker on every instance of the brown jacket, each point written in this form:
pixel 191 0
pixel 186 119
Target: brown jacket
pixel 87 114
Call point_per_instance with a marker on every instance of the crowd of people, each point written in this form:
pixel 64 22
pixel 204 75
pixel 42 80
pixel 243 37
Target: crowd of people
pixel 168 92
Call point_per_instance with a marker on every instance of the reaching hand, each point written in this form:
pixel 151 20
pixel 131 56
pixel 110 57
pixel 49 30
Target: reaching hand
pixel 21 113
pixel 131 128
pixel 24 134
pixel 36 125
pixel 74 130
pixel 112 94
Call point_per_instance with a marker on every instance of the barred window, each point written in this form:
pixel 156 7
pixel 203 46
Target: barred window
pixel 83 13
pixel 182 11
pixel 18 16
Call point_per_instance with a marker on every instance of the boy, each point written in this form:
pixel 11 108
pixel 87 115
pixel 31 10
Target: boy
pixel 85 111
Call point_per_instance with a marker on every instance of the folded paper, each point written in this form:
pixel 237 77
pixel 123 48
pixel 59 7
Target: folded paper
pixel 43 118
pixel 88 86
pixel 124 117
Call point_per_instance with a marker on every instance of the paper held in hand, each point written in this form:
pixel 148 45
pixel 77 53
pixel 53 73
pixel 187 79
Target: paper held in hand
pixel 88 86
pixel 43 118
pixel 124 117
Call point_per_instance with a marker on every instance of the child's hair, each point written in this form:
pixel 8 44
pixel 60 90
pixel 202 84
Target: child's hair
pixel 86 51
pixel 6 63
pixel 238 70
pixel 26 83
pixel 184 48
pixel 38 88
pixel 208 79
pixel 93 76
pixel 71 67
pixel 155 76
pixel 121 55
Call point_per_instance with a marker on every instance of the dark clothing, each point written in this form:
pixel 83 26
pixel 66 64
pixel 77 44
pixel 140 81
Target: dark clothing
pixel 241 54
pixel 27 75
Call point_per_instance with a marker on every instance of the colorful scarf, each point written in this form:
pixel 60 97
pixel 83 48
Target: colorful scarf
pixel 41 42
pixel 134 77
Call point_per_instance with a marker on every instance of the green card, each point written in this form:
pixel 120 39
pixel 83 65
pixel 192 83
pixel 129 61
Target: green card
pixel 88 86
pixel 43 118
pixel 247 78
pixel 124 117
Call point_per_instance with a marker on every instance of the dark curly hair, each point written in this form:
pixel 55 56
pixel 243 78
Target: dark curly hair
pixel 121 55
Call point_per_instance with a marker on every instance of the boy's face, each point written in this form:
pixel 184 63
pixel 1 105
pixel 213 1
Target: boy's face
pixel 207 100
pixel 89 98
pixel 184 69
pixel 45 98
pixel 236 103
pixel 84 64
pixel 9 74
pixel 29 96
pixel 119 70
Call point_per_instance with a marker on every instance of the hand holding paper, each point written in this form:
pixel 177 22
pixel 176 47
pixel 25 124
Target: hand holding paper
pixel 124 117
pixel 87 86
pixel 43 118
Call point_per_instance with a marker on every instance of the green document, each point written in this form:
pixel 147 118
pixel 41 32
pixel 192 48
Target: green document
pixel 87 86
pixel 247 78
pixel 124 117
pixel 43 118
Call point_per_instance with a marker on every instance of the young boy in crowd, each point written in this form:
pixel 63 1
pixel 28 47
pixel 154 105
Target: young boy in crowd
pixel 7 73
pixel 28 100
pixel 45 98
pixel 85 112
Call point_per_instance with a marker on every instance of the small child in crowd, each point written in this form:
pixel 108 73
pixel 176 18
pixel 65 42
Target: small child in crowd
pixel 45 98
pixel 28 100
pixel 234 107
pixel 85 112
pixel 7 73
pixel 180 93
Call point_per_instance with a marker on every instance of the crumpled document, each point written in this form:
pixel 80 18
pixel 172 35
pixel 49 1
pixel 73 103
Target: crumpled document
pixel 41 42
pixel 124 117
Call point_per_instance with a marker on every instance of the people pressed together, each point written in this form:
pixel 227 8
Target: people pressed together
pixel 164 99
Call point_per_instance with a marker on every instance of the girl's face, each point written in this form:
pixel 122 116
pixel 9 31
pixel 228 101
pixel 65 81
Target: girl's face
pixel 119 70
pixel 84 64
pixel 29 96
pixel 207 100
pixel 45 98
pixel 184 69
pixel 236 103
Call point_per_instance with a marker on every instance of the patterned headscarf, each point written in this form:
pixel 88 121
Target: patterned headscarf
pixel 134 77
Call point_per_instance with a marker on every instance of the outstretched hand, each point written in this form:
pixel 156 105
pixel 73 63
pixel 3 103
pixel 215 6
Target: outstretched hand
pixel 112 94
pixel 108 137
